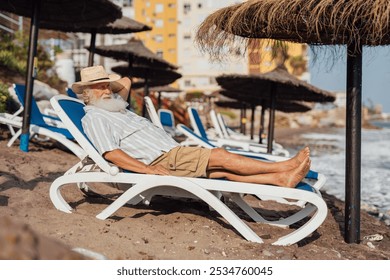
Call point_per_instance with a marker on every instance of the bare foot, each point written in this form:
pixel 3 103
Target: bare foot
pixel 295 161
pixel 293 177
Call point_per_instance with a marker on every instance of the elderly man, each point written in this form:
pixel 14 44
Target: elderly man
pixel 134 143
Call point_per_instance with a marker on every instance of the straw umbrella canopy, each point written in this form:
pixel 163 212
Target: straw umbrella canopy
pixel 276 86
pixel 284 106
pixel 147 72
pixel 232 104
pixel 141 83
pixel 134 52
pixel 157 75
pixel 123 25
pixel 266 103
pixel 150 76
pixel 355 24
pixel 165 89
pixel 63 13
pixel 277 83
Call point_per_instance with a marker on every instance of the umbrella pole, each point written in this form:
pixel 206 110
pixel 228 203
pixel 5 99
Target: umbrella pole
pixel 92 47
pixel 253 121
pixel 244 120
pixel 353 145
pixel 271 123
pixel 146 93
pixel 31 74
pixel 130 65
pixel 159 100
pixel 262 122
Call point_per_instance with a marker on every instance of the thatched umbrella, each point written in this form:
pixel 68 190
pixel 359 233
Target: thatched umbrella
pixel 355 23
pixel 123 25
pixel 141 83
pixel 265 103
pixel 276 86
pixel 133 52
pixel 148 73
pixel 277 83
pixel 232 104
pixel 64 13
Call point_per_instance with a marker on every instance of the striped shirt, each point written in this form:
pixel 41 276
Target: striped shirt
pixel 134 135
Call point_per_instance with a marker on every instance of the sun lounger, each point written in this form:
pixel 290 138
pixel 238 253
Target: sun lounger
pixel 38 126
pixel 198 128
pixel 168 121
pixel 143 187
pixel 223 131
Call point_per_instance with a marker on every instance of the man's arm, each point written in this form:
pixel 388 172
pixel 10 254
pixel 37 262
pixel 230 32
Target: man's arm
pixel 123 160
pixel 122 87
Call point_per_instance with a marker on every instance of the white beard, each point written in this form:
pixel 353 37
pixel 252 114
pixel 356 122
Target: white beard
pixel 109 104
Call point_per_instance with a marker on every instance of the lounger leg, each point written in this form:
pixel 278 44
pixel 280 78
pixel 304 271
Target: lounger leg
pixel 315 221
pixel 236 198
pixel 203 194
pixel 56 197
pixel 13 138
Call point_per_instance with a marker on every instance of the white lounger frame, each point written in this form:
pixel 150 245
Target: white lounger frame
pixel 232 143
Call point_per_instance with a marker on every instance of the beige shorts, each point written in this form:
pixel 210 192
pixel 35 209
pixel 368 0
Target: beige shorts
pixel 185 161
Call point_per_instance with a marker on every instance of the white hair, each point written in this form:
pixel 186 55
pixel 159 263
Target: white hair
pixel 111 104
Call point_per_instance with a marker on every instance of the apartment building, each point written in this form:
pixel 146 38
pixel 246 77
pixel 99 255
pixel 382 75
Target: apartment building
pixel 263 56
pixel 174 25
pixel 162 16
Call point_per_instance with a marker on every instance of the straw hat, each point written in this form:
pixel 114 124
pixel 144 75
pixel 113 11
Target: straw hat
pixel 93 75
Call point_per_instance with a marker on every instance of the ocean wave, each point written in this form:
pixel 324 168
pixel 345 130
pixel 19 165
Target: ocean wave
pixel 375 159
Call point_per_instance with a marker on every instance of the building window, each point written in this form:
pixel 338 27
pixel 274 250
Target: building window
pixel 187 36
pixel 187 83
pixel 159 23
pixel 159 8
pixel 158 38
pixel 187 8
pixel 172 50
pixel 171 20
pixel 200 5
pixel 127 3
pixel 171 5
pixel 171 35
pixel 159 53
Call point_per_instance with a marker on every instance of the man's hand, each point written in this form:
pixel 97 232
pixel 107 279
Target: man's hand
pixel 157 170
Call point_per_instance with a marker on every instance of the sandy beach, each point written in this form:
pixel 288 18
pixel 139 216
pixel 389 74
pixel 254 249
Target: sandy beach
pixel 31 228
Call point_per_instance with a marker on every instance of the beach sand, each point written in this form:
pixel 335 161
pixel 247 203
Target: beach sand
pixel 31 228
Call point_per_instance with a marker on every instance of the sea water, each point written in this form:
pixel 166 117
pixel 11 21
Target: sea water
pixel 375 164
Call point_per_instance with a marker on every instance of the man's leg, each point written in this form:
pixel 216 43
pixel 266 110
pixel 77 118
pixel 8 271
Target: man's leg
pixel 288 178
pixel 221 159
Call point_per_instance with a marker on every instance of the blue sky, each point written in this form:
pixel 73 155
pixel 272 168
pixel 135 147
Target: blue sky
pixel 330 74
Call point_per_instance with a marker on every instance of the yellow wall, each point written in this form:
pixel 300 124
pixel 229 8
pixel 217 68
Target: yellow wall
pixel 260 56
pixel 145 11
